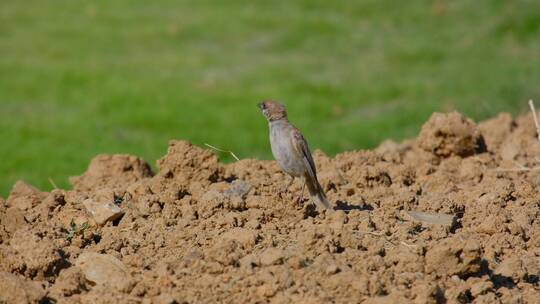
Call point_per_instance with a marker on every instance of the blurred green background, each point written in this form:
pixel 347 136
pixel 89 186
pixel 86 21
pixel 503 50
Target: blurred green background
pixel 78 78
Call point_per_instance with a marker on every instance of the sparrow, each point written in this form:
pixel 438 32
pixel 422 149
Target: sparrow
pixel 291 151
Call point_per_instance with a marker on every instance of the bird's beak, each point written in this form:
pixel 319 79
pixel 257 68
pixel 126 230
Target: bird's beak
pixel 260 105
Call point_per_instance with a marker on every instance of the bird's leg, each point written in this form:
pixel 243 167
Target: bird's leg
pixel 301 197
pixel 284 189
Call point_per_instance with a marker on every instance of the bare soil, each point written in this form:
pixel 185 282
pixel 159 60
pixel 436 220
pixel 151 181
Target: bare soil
pixel 202 231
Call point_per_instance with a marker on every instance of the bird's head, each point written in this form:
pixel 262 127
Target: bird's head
pixel 272 110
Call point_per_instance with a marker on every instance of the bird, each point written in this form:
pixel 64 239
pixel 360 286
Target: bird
pixel 291 151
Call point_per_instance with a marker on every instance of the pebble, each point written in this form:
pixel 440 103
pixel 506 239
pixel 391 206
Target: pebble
pixel 102 212
pixel 103 269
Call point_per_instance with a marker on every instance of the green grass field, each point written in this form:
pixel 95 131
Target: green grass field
pixel 78 78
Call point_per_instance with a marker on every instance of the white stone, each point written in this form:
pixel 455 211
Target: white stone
pixel 103 269
pixel 102 212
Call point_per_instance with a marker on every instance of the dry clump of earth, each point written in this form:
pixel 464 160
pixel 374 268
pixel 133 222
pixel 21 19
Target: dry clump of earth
pixel 202 231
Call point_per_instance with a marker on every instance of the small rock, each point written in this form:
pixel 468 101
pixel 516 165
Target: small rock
pixel 103 269
pixel 272 256
pixel 102 212
pixel 331 269
pixel 238 188
pixel 432 218
pixel 225 195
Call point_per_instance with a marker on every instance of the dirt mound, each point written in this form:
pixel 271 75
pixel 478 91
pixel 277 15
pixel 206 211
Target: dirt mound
pixel 111 171
pixel 202 231
pixel 450 134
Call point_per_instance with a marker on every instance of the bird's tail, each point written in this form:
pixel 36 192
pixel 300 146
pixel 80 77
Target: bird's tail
pixel 317 193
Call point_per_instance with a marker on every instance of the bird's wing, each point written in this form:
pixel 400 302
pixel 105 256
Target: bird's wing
pixel 300 145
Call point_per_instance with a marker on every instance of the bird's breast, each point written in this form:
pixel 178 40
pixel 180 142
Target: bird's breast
pixel 284 152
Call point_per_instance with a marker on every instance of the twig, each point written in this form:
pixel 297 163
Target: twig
pixel 520 167
pixel 535 117
pixel 381 235
pixel 52 183
pixel 221 150
pixel 408 245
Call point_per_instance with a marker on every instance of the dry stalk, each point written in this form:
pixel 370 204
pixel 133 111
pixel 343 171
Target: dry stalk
pixel 221 150
pixel 408 245
pixel 535 117
pixel 358 233
pixel 52 183
pixel 520 167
